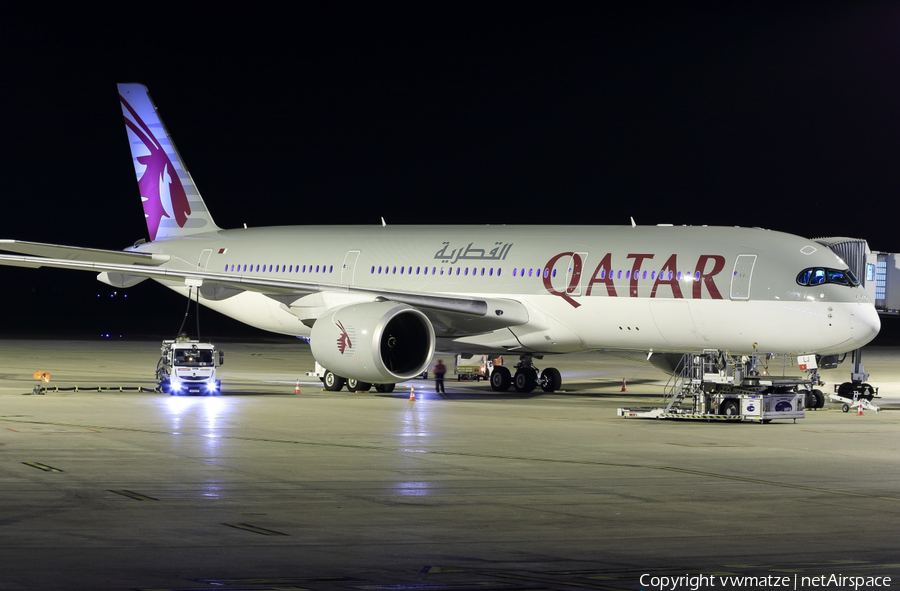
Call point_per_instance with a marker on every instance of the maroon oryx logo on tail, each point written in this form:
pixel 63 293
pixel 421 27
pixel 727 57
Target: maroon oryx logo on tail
pixel 343 341
pixel 161 189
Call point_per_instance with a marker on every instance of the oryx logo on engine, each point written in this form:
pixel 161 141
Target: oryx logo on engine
pixel 343 341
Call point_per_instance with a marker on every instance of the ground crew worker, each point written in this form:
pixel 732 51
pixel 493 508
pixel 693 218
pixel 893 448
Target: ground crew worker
pixel 439 370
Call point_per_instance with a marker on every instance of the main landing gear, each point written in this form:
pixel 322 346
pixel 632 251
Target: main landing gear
pixel 526 378
pixel 334 382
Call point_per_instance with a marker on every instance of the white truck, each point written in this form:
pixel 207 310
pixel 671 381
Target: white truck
pixel 472 367
pixel 189 367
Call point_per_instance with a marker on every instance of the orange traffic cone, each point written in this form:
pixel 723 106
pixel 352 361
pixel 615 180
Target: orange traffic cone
pixel 859 411
pixel 297 387
pixel 412 394
pixel 624 389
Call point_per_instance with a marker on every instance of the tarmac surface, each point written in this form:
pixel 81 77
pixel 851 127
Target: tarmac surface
pixel 259 488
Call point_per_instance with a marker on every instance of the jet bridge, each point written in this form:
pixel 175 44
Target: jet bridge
pixel 879 273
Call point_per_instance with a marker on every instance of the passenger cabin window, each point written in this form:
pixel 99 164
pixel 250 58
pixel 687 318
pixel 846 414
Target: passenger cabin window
pixel 822 276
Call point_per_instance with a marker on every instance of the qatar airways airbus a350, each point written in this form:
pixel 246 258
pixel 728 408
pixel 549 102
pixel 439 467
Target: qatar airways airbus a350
pixel 377 301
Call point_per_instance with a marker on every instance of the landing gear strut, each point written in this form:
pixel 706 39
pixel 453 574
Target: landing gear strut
pixel 857 385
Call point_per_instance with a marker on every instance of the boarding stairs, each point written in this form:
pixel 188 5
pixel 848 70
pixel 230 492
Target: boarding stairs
pixel 685 382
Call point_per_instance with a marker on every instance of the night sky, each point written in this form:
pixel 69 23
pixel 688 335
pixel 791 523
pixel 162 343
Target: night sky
pixel 783 117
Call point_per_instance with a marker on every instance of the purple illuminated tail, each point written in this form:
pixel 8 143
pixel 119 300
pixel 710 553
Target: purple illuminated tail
pixel 172 204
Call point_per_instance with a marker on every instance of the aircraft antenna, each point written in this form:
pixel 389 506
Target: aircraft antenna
pixel 633 225
pixel 383 224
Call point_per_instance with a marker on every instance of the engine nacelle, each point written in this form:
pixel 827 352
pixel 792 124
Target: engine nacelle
pixel 377 342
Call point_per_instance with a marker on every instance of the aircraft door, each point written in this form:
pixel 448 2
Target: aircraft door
pixel 349 267
pixel 204 259
pixel 740 279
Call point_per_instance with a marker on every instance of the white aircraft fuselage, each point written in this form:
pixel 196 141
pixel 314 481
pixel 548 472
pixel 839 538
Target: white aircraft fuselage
pixel 663 288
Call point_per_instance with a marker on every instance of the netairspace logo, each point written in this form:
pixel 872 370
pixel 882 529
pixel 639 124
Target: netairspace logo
pixel 795 583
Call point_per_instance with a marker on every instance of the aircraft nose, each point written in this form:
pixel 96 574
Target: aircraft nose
pixel 864 324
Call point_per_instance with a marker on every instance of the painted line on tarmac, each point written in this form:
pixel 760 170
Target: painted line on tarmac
pixel 255 529
pixel 470 455
pixel 43 467
pixel 133 495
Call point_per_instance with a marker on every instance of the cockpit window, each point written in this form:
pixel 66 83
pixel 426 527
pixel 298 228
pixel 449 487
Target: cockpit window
pixel 821 276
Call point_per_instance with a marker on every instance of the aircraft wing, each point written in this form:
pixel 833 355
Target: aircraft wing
pixel 81 254
pixel 450 314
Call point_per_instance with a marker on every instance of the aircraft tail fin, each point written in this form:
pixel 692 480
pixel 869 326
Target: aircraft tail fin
pixel 172 204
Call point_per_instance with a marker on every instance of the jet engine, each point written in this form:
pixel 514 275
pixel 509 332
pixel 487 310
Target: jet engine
pixel 378 342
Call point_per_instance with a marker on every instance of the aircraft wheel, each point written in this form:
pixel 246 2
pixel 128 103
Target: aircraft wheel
pixel 730 408
pixel 820 399
pixel 845 390
pixel 500 379
pixel 384 388
pixel 866 391
pixel 526 380
pixel 332 381
pixel 806 398
pixel 551 380
pixel 845 408
pixel 354 385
